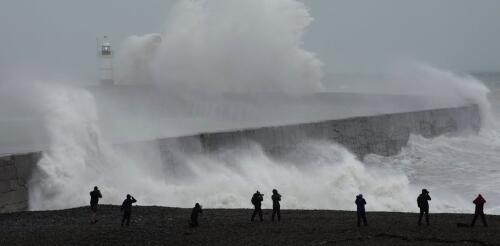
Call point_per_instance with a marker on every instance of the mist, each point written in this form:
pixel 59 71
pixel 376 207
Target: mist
pixel 218 66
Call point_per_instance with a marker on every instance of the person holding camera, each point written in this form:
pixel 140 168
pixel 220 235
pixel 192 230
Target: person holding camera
pixel 423 203
pixel 360 209
pixel 257 199
pixel 276 197
pixel 127 209
pixel 94 200
pixel 197 210
pixel 479 212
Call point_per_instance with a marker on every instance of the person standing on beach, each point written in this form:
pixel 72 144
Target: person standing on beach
pixel 423 203
pixel 194 215
pixel 479 201
pixel 127 209
pixel 360 208
pixel 276 197
pixel 94 200
pixel 257 199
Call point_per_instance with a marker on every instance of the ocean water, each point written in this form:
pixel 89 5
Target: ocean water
pixel 456 168
pixel 318 175
pixel 199 49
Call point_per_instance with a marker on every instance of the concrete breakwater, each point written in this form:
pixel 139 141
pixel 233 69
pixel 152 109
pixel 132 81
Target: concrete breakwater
pixel 15 171
pixel 381 134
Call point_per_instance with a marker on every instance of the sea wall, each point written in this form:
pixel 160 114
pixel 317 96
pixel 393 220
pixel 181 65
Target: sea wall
pixel 15 171
pixel 382 134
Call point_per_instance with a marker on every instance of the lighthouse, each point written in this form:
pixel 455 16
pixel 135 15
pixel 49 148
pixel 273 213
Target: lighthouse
pixel 106 60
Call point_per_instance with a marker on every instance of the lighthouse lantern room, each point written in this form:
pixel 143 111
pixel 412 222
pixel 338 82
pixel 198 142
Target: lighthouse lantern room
pixel 106 67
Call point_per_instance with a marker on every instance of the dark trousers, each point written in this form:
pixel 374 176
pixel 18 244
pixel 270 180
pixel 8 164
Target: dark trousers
pixel 126 217
pixel 194 221
pixel 422 212
pixel 362 217
pixel 276 211
pixel 477 214
pixel 258 211
pixel 93 207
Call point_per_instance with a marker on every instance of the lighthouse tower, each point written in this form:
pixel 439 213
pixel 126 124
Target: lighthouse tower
pixel 106 67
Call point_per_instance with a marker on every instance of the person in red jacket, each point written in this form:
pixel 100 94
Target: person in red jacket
pixel 479 201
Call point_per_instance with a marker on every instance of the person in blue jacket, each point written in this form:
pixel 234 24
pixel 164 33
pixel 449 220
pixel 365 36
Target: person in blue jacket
pixel 360 208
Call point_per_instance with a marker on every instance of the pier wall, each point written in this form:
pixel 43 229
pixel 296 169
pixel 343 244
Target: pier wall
pixel 381 134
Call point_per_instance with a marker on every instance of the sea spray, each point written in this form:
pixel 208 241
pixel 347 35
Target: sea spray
pixel 454 168
pixel 227 45
pixel 324 175
pixel 441 86
pixel 314 175
pixel 78 156
pixel 74 149
pixel 224 46
pixel 136 58
pixel 259 49
pixel 317 175
pixel 327 180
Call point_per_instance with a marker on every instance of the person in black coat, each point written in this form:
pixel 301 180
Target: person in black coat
pixel 276 197
pixel 197 210
pixel 360 208
pixel 423 203
pixel 257 199
pixel 127 209
pixel 94 201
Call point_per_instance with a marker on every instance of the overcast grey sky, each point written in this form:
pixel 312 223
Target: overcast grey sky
pixel 58 36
